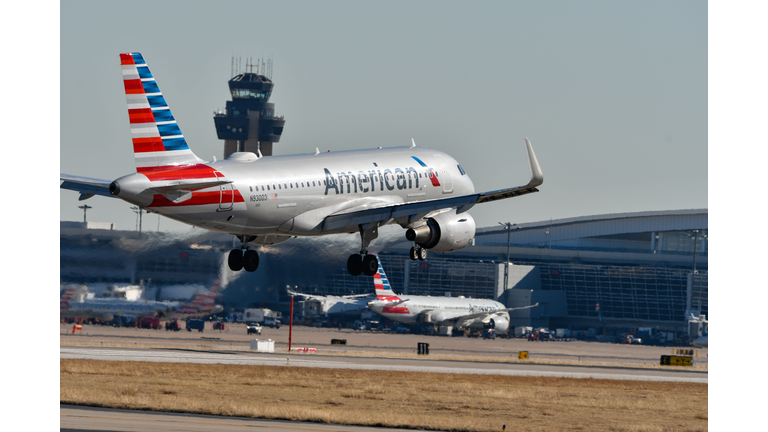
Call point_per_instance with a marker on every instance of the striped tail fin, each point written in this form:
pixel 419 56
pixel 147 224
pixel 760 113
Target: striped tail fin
pixel 381 284
pixel 157 139
pixel 67 297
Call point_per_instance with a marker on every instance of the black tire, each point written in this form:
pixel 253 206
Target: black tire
pixel 414 254
pixel 355 265
pixel 250 261
pixel 235 260
pixel 370 265
pixel 422 254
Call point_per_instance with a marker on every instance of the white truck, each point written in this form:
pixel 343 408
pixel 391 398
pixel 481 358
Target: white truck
pixel 265 317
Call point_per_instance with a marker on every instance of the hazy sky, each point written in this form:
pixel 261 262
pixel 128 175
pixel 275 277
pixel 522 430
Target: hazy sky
pixel 612 95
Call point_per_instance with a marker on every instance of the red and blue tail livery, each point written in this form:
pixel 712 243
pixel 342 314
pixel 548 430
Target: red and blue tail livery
pixel 157 139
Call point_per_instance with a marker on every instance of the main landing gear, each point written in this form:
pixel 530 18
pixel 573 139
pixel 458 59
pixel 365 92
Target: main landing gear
pixel 362 262
pixel 418 253
pixel 243 258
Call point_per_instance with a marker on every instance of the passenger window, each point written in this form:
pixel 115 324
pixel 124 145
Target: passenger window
pixel 267 187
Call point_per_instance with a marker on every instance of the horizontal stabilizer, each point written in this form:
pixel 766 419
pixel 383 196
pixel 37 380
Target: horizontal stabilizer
pixel 87 186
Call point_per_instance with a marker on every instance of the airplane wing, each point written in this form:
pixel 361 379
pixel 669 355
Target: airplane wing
pixel 384 212
pixel 87 186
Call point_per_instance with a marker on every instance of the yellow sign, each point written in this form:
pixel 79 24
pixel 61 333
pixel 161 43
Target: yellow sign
pixel 522 355
pixel 676 360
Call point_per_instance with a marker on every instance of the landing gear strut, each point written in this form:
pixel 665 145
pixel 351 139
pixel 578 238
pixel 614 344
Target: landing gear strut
pixel 362 262
pixel 243 258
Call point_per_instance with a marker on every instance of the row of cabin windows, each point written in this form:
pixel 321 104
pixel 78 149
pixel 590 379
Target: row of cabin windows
pixel 291 185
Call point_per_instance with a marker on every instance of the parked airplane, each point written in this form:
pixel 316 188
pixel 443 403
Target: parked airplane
pixel 267 200
pixel 202 304
pixel 701 341
pixel 458 312
pixel 337 304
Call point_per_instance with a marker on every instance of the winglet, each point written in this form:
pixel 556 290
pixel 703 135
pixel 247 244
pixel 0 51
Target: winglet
pixel 537 177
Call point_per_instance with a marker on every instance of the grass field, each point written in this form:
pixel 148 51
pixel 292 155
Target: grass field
pixel 413 400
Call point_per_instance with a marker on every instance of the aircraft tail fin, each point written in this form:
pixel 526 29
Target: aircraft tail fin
pixel 381 284
pixel 202 302
pixel 67 297
pixel 157 139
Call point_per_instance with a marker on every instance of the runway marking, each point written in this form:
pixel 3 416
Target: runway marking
pixel 131 355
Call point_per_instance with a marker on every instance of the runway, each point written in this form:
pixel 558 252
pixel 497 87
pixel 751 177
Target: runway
pixel 379 363
pixel 76 419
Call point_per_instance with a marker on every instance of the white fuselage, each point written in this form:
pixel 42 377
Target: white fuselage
pixel 443 311
pixel 292 195
pixel 109 308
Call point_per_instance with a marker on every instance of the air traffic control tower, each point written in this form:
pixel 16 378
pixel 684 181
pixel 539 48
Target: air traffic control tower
pixel 249 123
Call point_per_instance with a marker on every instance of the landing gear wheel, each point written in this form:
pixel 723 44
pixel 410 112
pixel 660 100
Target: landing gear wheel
pixel 355 265
pixel 414 253
pixel 235 260
pixel 422 254
pixel 250 261
pixel 370 265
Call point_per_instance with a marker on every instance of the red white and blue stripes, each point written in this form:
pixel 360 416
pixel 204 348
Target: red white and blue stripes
pixel 157 139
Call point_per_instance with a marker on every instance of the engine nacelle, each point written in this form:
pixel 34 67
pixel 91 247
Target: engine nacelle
pixel 445 232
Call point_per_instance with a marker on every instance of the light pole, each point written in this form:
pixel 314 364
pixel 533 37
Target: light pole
pixel 138 211
pixel 695 245
pixel 508 226
pixel 85 208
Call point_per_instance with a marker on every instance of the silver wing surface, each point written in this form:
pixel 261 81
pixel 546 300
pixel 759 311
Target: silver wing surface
pixel 87 186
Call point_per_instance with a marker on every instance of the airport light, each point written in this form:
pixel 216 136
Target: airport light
pixel 695 236
pixel 85 208
pixel 138 211
pixel 508 226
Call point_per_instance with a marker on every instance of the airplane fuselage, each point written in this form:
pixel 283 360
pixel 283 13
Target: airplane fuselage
pixel 291 195
pixel 442 311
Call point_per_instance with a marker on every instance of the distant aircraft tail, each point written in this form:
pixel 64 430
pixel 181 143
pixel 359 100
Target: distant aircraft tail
pixel 381 285
pixel 67 296
pixel 157 139
pixel 202 302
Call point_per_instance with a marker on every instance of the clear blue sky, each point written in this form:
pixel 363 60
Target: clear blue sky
pixel 613 95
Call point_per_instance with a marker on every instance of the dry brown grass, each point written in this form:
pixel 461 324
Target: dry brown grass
pixel 392 399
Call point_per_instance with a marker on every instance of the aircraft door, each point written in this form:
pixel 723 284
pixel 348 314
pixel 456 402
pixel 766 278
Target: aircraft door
pixel 227 197
pixel 447 181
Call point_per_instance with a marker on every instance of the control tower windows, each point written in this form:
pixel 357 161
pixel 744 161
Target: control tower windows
pixel 242 93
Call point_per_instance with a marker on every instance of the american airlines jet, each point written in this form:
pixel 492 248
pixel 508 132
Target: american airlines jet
pixel 202 304
pixel 444 311
pixel 267 200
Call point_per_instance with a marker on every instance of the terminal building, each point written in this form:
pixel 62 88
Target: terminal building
pixel 616 271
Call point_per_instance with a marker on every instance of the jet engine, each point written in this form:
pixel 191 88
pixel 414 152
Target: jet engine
pixel 444 232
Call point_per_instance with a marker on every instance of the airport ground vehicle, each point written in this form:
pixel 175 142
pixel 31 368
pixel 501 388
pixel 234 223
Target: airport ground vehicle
pixel 272 322
pixel 172 326
pixel 195 324
pixel 254 328
pixel 489 334
pixel 148 323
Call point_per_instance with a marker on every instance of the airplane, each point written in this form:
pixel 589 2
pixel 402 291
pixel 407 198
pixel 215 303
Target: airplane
pixel 331 304
pixel 106 309
pixel 267 200
pixel 701 341
pixel 458 312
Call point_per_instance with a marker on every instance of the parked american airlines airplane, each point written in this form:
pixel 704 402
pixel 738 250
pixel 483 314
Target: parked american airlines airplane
pixel 267 200
pixel 444 311
pixel 202 304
